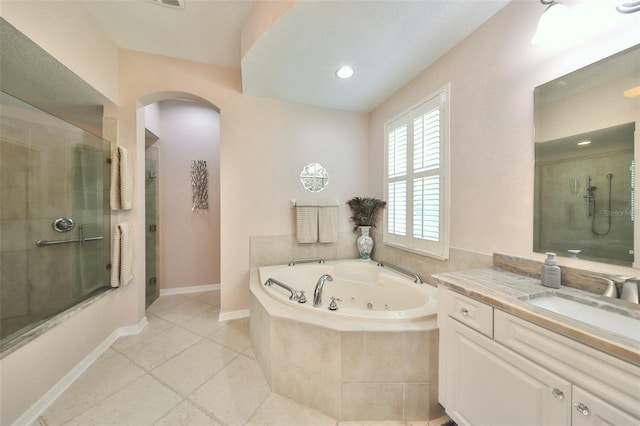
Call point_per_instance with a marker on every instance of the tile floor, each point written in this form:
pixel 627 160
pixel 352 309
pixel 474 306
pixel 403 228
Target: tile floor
pixel 184 368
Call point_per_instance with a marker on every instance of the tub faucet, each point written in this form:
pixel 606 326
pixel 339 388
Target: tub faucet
pixel 317 292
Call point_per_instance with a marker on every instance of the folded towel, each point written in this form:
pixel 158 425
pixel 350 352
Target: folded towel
pixel 121 256
pixel 328 224
pixel 121 191
pixel 316 203
pixel 307 224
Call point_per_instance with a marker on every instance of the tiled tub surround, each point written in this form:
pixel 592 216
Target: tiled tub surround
pixel 350 369
pixel 280 249
pixel 509 292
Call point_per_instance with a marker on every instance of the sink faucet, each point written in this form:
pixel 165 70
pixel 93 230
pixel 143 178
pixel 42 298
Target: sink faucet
pixel 629 288
pixel 317 292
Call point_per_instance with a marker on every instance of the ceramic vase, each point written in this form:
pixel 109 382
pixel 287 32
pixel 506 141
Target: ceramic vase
pixel 364 243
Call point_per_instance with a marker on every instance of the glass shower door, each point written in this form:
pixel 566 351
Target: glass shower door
pixel 152 291
pixel 54 217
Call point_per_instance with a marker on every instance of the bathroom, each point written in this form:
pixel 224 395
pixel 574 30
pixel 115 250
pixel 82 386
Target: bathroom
pixel 493 74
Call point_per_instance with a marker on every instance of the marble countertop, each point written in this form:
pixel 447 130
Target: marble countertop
pixel 509 292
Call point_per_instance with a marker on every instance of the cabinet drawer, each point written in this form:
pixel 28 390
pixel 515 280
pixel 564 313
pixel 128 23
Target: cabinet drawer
pixel 470 312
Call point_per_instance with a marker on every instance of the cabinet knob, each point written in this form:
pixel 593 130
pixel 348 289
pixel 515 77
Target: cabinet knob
pixel 582 409
pixel 464 311
pixel 557 393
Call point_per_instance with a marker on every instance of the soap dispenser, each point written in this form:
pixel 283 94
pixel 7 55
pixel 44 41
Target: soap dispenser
pixel 550 274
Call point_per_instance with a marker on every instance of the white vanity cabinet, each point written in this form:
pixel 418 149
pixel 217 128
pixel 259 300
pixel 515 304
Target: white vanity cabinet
pixel 497 369
pixel 594 411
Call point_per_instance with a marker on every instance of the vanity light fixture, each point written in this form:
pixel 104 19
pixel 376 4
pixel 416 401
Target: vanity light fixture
pixel 629 7
pixel 551 23
pixel 584 143
pixel 344 71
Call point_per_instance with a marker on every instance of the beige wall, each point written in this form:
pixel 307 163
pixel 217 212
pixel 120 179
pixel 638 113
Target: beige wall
pixel 190 240
pixel 68 32
pixel 493 73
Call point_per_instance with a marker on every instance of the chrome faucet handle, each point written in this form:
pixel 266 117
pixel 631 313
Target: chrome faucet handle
pixel 301 297
pixel 333 306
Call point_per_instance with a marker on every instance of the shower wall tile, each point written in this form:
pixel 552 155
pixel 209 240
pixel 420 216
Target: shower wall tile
pixel 50 278
pixel 14 292
pixel 281 249
pixel 13 180
pixel 88 266
pixel 13 235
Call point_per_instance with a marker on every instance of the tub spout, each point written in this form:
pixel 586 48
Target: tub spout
pixel 317 292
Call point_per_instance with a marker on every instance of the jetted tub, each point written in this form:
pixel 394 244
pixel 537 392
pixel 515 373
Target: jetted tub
pixel 364 289
pixel 375 358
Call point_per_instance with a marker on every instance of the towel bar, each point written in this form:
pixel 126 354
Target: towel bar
pixel 42 243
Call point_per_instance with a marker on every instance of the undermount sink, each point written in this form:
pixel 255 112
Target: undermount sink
pixel 594 315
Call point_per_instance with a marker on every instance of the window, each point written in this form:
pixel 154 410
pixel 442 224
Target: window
pixel 417 177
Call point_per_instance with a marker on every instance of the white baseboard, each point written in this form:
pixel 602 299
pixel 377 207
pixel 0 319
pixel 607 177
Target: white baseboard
pixel 31 415
pixel 130 330
pixel 192 289
pixel 227 316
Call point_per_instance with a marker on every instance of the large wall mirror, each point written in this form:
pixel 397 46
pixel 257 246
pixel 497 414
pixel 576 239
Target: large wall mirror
pixel 586 126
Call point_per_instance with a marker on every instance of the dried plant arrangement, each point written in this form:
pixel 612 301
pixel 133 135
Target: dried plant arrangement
pixel 364 211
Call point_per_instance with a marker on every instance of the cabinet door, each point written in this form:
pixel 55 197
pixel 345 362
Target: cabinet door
pixel 488 384
pixel 589 410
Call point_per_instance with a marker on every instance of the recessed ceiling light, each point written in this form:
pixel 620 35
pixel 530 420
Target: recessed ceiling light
pixel 633 92
pixel 345 72
pixel 583 143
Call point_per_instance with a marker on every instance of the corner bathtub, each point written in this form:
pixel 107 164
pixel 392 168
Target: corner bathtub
pixel 375 358
pixel 361 288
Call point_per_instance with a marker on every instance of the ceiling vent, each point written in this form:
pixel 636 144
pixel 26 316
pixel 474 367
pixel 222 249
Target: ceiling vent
pixel 176 4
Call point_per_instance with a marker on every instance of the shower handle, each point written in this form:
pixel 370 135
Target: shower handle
pixel 63 224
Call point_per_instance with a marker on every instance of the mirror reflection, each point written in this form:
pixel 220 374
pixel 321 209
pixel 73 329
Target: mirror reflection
pixel 314 177
pixel 584 161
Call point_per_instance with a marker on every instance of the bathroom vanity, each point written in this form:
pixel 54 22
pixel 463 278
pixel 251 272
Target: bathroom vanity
pixel 506 361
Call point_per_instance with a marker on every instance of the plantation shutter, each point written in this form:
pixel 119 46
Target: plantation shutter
pixel 426 169
pixel 397 176
pixel 416 176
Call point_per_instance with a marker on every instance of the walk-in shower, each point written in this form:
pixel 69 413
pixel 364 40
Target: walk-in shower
pixel 54 218
pixel 584 195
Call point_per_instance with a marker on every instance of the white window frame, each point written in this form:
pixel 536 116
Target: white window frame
pixel 437 249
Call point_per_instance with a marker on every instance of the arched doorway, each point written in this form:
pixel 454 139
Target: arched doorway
pixel 182 240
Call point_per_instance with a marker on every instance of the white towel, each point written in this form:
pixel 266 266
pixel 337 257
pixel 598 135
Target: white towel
pixel 121 256
pixel 307 224
pixel 121 191
pixel 328 224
